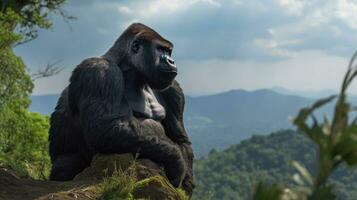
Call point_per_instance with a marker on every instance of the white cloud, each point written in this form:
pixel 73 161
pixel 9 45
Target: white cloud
pixel 212 2
pixel 315 17
pixel 277 48
pixel 294 7
pixel 347 12
pixel 125 10
pixel 161 7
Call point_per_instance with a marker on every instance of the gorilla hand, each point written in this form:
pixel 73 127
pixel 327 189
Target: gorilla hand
pixel 155 145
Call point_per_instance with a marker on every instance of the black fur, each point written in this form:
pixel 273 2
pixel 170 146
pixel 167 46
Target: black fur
pixel 93 116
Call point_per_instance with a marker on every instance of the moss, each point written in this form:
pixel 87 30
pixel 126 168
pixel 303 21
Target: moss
pixel 182 194
pixel 157 187
pixel 124 185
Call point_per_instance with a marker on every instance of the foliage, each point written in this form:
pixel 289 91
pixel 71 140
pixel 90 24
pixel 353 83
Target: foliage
pixel 15 82
pixel 233 173
pixel 32 15
pixel 263 192
pixel 23 135
pixel 23 143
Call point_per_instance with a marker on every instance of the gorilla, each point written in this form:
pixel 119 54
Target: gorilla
pixel 127 100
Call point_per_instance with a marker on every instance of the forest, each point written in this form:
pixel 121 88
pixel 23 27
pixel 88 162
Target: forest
pixel 235 171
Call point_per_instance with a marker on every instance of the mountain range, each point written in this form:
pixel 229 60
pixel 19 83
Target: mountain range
pixel 221 120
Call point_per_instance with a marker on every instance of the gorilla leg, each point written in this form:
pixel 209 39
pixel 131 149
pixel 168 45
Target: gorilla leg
pixel 188 183
pixel 66 167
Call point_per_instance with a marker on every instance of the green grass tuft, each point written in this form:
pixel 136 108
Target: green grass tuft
pixel 119 185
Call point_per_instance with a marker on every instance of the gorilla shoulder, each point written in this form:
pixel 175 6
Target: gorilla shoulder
pixel 96 78
pixel 94 62
pixel 95 69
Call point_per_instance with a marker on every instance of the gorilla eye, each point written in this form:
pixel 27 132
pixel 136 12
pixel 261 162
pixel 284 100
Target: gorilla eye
pixel 135 46
pixel 165 50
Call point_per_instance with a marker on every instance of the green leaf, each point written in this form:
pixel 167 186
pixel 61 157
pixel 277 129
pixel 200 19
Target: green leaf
pixel 264 192
pixel 315 132
pixel 306 112
pixel 323 193
pixel 346 148
pixel 303 172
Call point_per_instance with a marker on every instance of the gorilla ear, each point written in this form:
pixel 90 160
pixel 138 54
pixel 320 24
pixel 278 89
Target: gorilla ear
pixel 135 46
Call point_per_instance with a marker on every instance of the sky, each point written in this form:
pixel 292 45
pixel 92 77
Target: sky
pixel 219 45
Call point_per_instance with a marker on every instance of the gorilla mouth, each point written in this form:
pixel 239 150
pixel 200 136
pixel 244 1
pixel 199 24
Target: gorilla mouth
pixel 169 74
pixel 169 70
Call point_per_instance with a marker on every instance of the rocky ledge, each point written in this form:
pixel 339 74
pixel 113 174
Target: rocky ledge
pixel 117 176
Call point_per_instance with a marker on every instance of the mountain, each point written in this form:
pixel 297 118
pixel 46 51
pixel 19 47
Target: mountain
pixel 220 120
pixel 309 94
pixel 232 174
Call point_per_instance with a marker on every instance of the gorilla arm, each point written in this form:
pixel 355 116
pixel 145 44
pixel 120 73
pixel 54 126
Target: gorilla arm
pixel 174 101
pixel 95 93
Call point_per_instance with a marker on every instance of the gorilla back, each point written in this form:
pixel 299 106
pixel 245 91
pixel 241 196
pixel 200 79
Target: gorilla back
pixel 124 101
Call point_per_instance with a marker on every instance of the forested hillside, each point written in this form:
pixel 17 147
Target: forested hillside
pixel 233 173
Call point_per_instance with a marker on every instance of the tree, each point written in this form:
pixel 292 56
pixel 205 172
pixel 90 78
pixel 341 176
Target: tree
pixel 23 135
pixel 33 15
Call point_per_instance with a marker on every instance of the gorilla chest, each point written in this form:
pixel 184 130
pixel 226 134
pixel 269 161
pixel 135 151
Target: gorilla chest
pixel 144 104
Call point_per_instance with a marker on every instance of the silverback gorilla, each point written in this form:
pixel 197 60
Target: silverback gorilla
pixel 124 101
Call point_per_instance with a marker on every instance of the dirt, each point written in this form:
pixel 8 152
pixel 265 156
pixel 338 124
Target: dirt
pixel 14 188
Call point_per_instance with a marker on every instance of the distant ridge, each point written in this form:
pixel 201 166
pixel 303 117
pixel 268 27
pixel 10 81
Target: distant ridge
pixel 308 94
pixel 220 120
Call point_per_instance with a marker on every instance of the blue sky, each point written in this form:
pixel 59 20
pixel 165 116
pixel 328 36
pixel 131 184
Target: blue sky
pixel 219 44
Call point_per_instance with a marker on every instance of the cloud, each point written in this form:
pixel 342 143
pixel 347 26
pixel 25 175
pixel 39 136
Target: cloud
pixel 145 9
pixel 347 12
pixel 294 7
pixel 219 44
pixel 276 48
pixel 324 26
pixel 125 10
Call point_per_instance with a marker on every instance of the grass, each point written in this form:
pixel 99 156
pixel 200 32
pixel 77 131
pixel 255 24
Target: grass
pixel 119 185
pixel 123 184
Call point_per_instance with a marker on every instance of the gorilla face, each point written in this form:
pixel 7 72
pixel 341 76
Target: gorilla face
pixel 151 56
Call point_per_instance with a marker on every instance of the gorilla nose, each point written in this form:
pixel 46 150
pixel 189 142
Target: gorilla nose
pixel 168 64
pixel 170 61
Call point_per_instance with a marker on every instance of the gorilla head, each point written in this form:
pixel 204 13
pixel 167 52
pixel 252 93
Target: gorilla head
pixel 143 49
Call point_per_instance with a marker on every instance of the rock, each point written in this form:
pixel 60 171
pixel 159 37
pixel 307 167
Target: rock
pixel 12 187
pixel 105 165
pixel 151 182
